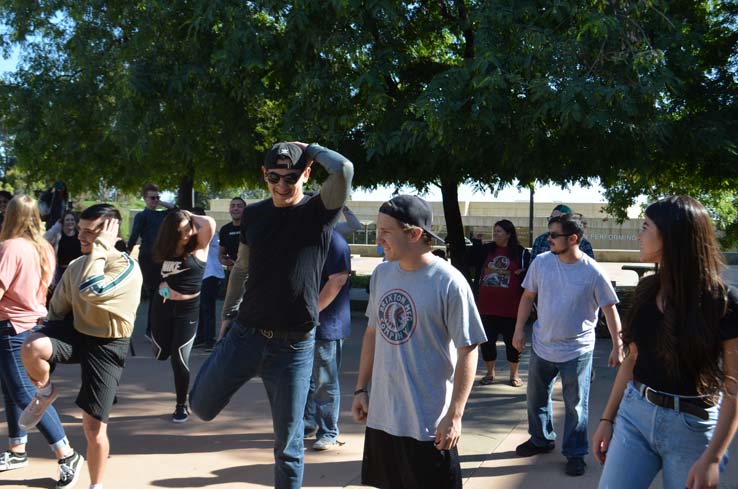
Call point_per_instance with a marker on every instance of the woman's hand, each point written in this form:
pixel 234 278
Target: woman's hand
pixel 704 474
pixel 601 440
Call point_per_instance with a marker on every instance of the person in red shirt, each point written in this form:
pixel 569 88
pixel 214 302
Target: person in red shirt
pixel 499 270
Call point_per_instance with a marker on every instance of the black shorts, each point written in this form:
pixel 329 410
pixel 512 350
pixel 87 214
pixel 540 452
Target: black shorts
pixel 398 462
pixel 101 359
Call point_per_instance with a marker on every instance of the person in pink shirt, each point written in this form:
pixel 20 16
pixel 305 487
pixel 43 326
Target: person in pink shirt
pixel 27 266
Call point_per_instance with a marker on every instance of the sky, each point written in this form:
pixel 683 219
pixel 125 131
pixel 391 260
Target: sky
pixel 544 193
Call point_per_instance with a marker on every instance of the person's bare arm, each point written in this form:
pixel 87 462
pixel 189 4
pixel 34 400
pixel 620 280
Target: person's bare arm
pixel 706 470
pixel 601 438
pixel 449 428
pixel 360 404
pixel 524 309
pixel 613 325
pixel 331 289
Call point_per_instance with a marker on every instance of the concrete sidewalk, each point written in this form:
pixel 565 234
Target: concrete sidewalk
pixel 235 450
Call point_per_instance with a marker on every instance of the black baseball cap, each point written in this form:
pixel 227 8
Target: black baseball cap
pixel 288 156
pixel 412 210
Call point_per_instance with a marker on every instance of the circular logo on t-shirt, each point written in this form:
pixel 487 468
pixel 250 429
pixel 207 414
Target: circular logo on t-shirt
pixel 397 316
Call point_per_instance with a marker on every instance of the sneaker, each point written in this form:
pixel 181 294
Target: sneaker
pixel 35 410
pixel 12 460
pixel 70 469
pixel 181 414
pixel 575 466
pixel 324 444
pixel 528 449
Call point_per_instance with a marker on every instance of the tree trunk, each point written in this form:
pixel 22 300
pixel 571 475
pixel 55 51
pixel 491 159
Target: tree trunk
pixel 454 225
pixel 184 195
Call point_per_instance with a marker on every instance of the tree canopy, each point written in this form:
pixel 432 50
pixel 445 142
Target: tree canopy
pixel 641 94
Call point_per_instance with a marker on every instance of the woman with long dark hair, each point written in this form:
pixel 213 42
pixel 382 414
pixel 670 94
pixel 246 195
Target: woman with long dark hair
pixel 182 249
pixel 63 237
pixel 673 405
pixel 499 270
pixel 26 271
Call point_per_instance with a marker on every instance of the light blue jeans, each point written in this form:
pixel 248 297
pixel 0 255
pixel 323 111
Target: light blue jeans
pixel 324 398
pixel 284 366
pixel 649 438
pixel 575 380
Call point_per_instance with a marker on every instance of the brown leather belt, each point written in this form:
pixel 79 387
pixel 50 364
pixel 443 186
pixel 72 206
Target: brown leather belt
pixel 696 406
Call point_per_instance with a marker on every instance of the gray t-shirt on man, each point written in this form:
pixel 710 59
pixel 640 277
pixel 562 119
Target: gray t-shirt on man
pixel 421 318
pixel 569 297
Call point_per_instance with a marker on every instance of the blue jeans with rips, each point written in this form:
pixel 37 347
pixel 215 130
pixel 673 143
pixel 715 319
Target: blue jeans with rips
pixel 575 379
pixel 324 398
pixel 18 391
pixel 284 366
pixel 649 438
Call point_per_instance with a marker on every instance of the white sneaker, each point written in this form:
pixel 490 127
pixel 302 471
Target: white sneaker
pixel 324 444
pixel 35 410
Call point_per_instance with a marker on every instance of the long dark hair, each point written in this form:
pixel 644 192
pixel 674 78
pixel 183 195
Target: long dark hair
pixel 165 246
pixel 693 293
pixel 513 245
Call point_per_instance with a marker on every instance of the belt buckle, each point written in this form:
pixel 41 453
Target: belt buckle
pixel 267 334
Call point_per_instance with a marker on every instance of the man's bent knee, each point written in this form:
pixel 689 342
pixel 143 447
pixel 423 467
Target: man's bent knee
pixel 37 346
pixel 200 408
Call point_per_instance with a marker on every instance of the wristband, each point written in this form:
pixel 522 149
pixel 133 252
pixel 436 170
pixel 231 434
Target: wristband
pixel 360 391
pixel 608 420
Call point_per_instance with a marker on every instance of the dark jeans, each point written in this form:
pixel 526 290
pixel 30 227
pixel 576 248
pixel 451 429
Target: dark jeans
pixel 284 367
pixel 18 391
pixel 208 296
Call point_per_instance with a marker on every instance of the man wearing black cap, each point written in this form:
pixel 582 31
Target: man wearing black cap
pixel 418 358
pixel 540 245
pixel 271 334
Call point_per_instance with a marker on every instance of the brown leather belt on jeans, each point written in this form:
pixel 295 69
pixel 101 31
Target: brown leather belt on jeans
pixel 694 406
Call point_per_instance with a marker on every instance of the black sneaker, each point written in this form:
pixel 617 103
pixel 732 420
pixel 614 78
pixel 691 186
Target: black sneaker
pixel 70 469
pixel 181 414
pixel 528 449
pixel 575 466
pixel 12 460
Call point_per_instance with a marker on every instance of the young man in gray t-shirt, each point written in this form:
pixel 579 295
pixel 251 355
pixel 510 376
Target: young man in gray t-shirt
pixel 420 354
pixel 571 287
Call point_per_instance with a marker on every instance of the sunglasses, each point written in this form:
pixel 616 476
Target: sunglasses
pixel 154 197
pixel 558 235
pixel 289 179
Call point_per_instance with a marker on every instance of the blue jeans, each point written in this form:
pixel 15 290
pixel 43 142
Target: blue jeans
pixel 324 397
pixel 18 391
pixel 284 366
pixel 648 438
pixel 575 379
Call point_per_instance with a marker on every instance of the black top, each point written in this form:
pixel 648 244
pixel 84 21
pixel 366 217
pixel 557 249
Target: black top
pixel 68 249
pixel 229 237
pixel 183 274
pixel 649 369
pixel 287 249
pixel 146 225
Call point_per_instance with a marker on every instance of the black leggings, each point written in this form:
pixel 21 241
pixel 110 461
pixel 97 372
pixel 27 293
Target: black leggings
pixel 493 327
pixel 173 329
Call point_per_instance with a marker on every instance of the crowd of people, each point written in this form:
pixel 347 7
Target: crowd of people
pixel 71 295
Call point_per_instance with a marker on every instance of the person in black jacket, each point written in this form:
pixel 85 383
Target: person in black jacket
pixel 499 268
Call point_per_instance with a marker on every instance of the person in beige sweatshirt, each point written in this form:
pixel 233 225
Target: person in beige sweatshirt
pixel 101 290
